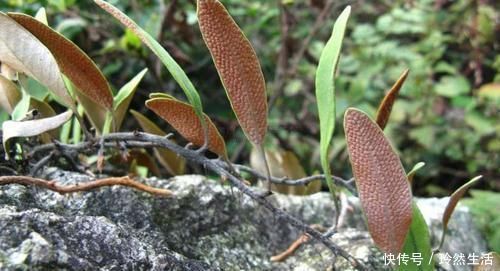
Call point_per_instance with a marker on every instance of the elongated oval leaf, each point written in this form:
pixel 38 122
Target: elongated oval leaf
pixel 381 180
pixel 29 128
pixel 25 53
pixel 452 203
pixel 325 90
pixel 73 62
pixel 177 73
pixel 238 68
pixel 174 164
pixel 418 240
pixel 10 95
pixel 183 118
pixel 385 107
pixel 124 97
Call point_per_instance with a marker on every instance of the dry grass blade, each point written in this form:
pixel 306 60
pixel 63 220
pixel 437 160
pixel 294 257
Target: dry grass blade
pixel 381 180
pixel 184 119
pixel 238 68
pixel 24 53
pixel 385 107
pixel 73 62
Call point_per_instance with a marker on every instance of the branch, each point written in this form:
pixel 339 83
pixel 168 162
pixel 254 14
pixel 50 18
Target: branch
pixel 87 186
pixel 145 140
pixel 348 184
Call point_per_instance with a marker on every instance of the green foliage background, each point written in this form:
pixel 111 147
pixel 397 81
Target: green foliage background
pixel 445 115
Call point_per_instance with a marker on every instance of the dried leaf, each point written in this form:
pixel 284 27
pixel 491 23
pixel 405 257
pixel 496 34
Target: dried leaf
pixel 44 111
pixel 325 90
pixel 25 53
pixel 381 180
pixel 281 164
pixel 12 129
pixel 73 62
pixel 10 95
pixel 124 97
pixel 7 71
pixel 385 107
pixel 452 203
pixel 22 107
pixel 174 164
pixel 182 117
pixel 238 67
pixel 177 73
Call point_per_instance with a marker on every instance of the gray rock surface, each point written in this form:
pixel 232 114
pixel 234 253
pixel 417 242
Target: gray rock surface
pixel 204 227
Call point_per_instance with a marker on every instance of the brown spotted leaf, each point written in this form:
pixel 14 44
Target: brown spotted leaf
pixel 238 67
pixel 182 117
pixel 381 180
pixel 23 52
pixel 385 107
pixel 73 62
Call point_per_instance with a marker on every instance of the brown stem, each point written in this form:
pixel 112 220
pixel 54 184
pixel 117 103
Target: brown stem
pixel 87 186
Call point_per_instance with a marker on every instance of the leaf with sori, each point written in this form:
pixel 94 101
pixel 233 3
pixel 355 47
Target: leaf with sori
pixel 173 163
pixel 72 61
pixel 33 58
pixel 383 188
pixel 238 67
pixel 182 117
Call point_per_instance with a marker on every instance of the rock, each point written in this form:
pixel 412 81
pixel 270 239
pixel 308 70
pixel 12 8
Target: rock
pixel 204 227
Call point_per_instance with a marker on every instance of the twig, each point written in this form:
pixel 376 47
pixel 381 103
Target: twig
pixel 79 187
pixel 304 238
pixel 41 163
pixel 348 184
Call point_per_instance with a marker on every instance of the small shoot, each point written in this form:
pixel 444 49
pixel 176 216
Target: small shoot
pixel 385 107
pixel 452 203
pixel 325 95
pixel 413 171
